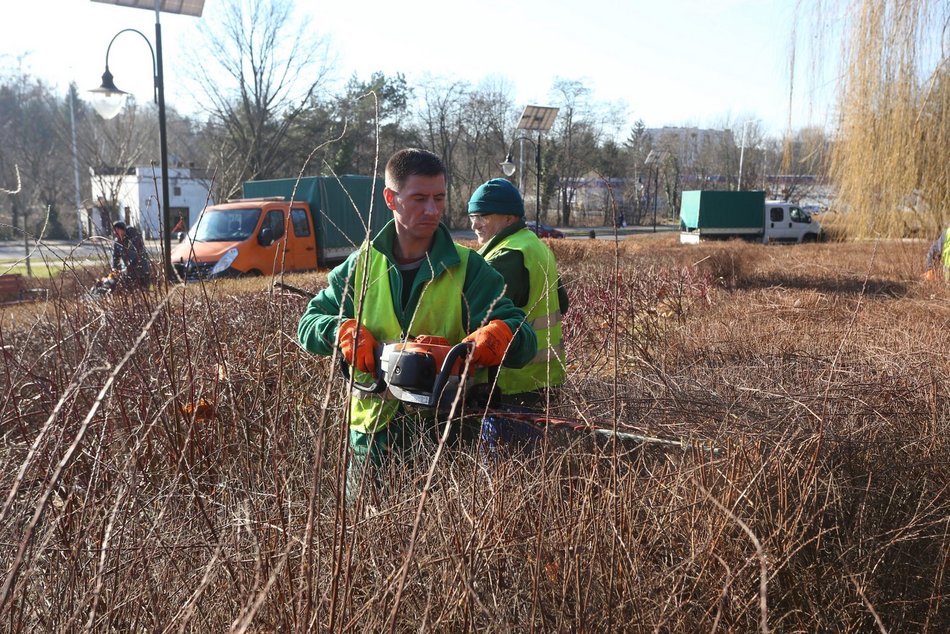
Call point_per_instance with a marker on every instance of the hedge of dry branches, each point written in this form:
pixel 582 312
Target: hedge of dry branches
pixel 173 462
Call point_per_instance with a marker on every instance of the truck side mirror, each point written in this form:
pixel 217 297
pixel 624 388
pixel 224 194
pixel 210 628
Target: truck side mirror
pixel 181 235
pixel 266 237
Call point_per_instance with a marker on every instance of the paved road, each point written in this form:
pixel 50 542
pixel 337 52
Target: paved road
pixel 583 233
pixel 101 248
pixel 63 249
pixel 607 233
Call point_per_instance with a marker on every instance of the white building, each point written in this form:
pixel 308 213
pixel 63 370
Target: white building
pixel 134 196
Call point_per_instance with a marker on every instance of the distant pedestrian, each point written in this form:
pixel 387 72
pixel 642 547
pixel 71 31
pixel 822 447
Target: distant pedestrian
pixel 129 257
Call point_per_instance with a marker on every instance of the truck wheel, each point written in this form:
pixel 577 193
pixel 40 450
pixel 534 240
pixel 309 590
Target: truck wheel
pixel 251 273
pixel 809 237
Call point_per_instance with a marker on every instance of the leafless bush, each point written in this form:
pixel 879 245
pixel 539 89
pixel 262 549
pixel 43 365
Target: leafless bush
pixel 168 462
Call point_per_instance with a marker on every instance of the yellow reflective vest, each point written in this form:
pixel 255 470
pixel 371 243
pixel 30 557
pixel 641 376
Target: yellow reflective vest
pixel 543 313
pixel 439 312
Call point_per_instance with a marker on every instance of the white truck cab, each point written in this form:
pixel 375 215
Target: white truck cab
pixel 788 222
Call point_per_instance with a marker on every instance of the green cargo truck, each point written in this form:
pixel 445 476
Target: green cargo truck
pixel 283 224
pixel 721 215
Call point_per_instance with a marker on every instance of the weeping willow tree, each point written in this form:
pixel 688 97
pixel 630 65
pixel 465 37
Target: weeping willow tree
pixel 891 158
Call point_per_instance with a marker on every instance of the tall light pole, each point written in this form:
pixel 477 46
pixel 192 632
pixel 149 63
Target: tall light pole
pixel 108 100
pixel 654 159
pixel 534 119
pixel 72 128
pixel 508 168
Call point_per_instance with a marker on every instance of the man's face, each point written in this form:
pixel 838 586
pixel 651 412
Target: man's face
pixel 418 206
pixel 119 234
pixel 487 226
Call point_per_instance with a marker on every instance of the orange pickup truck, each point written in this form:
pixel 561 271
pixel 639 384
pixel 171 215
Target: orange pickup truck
pixel 283 225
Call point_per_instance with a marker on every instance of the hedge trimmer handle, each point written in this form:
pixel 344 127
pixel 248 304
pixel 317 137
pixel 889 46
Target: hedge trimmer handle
pixel 379 382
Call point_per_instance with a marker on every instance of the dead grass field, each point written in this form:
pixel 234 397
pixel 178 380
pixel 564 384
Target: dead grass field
pixel 175 464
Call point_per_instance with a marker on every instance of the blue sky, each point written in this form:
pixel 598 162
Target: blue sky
pixel 678 62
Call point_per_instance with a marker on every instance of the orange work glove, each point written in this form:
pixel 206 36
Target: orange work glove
pixel 359 354
pixel 491 342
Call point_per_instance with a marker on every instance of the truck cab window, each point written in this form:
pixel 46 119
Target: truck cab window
pixel 275 220
pixel 799 216
pixel 298 218
pixel 777 214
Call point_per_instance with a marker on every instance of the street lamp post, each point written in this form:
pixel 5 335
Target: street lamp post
pixel 108 101
pixel 533 119
pixel 72 129
pixel 640 188
pixel 508 168
pixel 656 193
pixel 654 158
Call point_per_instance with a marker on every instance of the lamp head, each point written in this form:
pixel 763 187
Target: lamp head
pixel 507 166
pixel 107 99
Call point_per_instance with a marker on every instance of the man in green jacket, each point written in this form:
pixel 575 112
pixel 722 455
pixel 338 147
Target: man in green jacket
pixel 496 212
pixel 410 280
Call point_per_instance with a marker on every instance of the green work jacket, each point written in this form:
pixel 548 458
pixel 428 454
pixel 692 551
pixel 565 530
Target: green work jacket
pixel 481 300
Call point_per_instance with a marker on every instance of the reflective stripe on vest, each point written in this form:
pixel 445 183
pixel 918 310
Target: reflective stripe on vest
pixel 543 313
pixel 439 312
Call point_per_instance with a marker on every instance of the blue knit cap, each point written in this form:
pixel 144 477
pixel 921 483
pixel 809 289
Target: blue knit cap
pixel 497 196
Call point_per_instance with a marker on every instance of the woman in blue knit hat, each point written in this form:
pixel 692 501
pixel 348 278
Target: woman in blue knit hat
pixel 496 213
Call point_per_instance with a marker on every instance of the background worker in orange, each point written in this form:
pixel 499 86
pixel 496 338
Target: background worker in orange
pixel 496 213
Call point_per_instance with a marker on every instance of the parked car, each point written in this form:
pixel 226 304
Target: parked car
pixel 546 231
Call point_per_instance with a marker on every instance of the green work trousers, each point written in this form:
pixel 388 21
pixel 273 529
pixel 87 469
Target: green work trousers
pixel 406 439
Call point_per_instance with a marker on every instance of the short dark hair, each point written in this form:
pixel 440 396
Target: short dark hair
pixel 118 224
pixel 411 162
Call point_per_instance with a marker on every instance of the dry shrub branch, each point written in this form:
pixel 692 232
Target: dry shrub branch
pixel 158 461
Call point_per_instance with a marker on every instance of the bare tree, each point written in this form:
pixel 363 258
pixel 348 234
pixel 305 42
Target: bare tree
pixel 30 146
pixel 490 118
pixel 113 148
pixel 441 114
pixel 470 128
pixel 574 139
pixel 806 165
pixel 638 145
pixel 264 67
